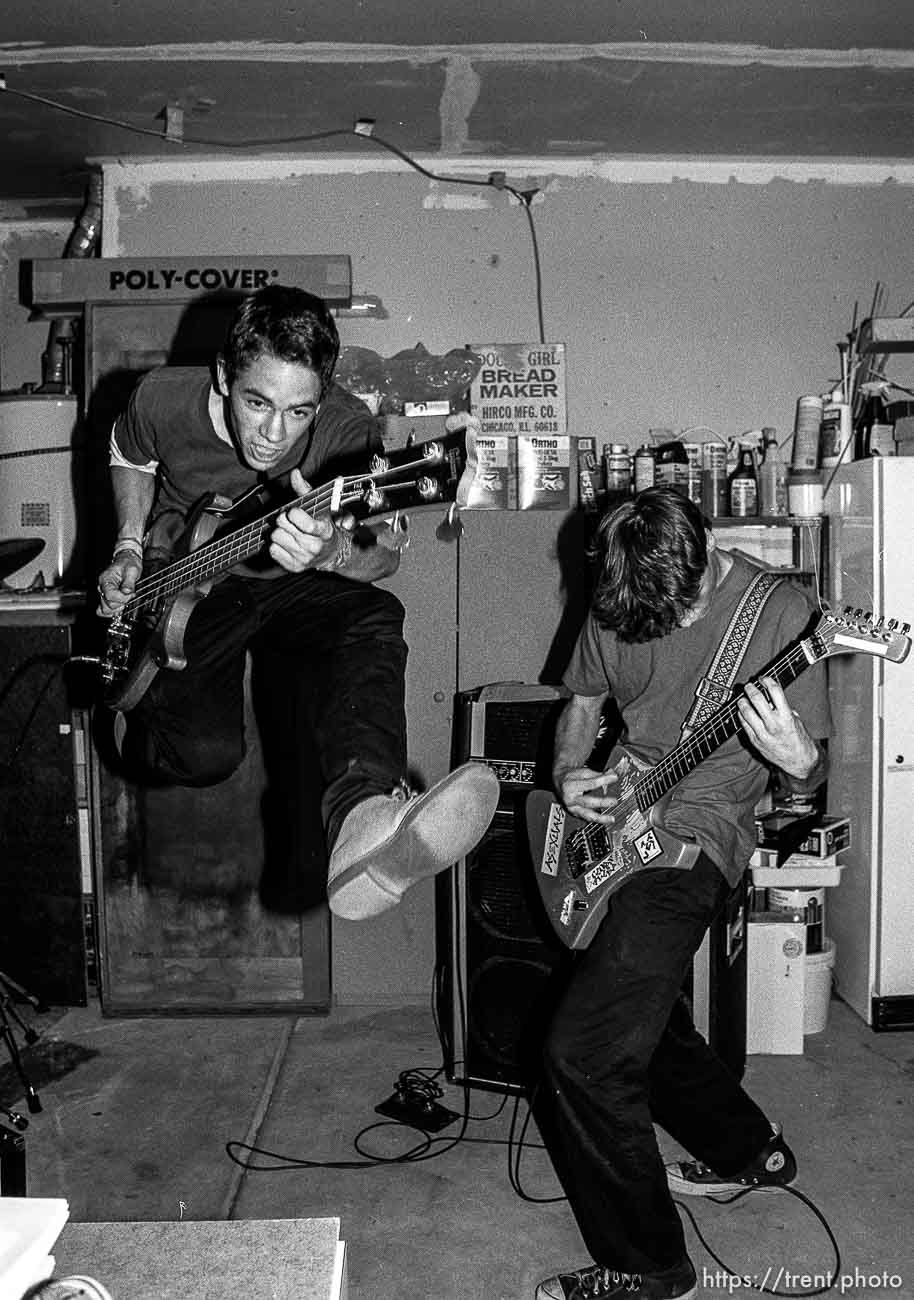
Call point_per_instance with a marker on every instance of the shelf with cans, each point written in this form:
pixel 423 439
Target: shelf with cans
pixel 747 491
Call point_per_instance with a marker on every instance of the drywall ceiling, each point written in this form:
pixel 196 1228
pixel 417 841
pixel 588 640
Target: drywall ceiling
pixel 447 78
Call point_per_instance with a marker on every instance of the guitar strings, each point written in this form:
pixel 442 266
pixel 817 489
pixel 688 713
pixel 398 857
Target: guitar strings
pixel 238 544
pixel 711 734
pixel 670 769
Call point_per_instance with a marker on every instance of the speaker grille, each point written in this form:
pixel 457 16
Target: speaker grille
pixel 501 950
pixel 502 991
pixel 495 898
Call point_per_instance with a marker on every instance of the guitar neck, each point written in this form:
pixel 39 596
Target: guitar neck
pixel 216 557
pixel 713 733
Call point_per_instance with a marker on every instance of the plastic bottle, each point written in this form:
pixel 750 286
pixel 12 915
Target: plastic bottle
pixel 835 431
pixel 874 434
pixel 742 486
pixel 772 477
pixel 673 465
pixel 644 468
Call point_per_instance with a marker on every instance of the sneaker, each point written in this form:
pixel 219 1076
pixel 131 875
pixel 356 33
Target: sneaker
pixel 389 842
pixel 676 1283
pixel 774 1166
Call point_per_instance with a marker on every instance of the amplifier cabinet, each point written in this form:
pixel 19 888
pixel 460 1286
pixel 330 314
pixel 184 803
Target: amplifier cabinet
pixel 718 981
pixel 500 963
pixel 42 868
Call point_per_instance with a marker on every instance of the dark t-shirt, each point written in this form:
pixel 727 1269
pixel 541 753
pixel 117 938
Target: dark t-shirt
pixel 168 420
pixel 653 685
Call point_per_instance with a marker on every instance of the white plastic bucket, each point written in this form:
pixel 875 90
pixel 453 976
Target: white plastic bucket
pixel 819 967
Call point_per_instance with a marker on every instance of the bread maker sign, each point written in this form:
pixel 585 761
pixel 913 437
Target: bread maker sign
pixel 520 388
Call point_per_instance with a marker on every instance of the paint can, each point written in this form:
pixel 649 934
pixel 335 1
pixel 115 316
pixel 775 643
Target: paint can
pixel 804 905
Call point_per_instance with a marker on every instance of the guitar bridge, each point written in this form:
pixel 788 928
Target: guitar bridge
pixel 587 848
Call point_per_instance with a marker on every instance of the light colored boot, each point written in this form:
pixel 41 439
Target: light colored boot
pixel 389 842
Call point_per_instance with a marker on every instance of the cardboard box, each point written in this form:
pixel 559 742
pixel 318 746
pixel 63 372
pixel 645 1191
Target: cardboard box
pixel 589 473
pixel 829 836
pixel 399 429
pixel 775 984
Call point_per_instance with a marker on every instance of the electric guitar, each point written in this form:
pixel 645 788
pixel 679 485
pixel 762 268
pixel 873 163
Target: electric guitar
pixel 580 864
pixel 147 633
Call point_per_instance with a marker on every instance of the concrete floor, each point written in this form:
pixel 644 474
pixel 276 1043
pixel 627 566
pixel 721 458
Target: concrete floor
pixel 137 1114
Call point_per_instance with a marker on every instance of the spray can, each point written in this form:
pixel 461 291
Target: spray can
pixel 806 432
pixel 715 501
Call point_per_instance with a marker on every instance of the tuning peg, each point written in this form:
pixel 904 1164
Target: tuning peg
pixel 905 629
pixel 879 623
pixel 892 624
pixel 857 613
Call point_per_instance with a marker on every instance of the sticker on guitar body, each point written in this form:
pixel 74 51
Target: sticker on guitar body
pixel 552 842
pixel 647 846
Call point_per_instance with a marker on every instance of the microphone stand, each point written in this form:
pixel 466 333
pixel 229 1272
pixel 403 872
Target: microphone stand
pixel 9 1016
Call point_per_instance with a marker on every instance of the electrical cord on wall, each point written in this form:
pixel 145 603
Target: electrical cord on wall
pixel 495 180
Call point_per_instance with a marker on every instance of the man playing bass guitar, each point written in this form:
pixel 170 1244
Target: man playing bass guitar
pixel 622 1051
pixel 271 413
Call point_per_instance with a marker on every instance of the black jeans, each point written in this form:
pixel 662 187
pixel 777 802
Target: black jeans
pixel 336 658
pixel 623 1052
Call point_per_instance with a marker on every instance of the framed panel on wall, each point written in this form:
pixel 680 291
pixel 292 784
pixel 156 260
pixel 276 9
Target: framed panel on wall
pixel 206 897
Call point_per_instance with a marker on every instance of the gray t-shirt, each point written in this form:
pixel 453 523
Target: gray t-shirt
pixel 653 685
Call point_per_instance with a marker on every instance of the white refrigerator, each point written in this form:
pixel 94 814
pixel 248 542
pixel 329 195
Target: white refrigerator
pixel 870 915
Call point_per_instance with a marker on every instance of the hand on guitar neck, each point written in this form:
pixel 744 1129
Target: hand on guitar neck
pixel 149 613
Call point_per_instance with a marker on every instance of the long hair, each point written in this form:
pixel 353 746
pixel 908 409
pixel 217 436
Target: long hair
pixel 284 322
pixel 651 553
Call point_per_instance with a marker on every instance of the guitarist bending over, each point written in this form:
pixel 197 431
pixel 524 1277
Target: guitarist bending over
pixel 272 412
pixel 622 1051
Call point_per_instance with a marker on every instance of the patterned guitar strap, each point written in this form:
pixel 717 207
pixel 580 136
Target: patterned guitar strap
pixel 716 687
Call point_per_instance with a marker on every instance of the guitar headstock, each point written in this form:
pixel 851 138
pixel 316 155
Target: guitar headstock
pixel 435 472
pixel 856 631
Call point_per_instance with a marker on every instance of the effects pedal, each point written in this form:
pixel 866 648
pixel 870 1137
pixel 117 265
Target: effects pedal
pixel 418 1112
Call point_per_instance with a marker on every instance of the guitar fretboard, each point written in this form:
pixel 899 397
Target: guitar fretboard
pixel 720 727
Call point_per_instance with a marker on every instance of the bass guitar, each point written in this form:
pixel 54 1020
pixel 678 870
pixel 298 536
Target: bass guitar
pixel 147 633
pixel 580 864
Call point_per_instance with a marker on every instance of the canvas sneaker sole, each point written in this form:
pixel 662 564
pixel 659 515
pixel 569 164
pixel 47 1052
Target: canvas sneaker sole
pixel 436 830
